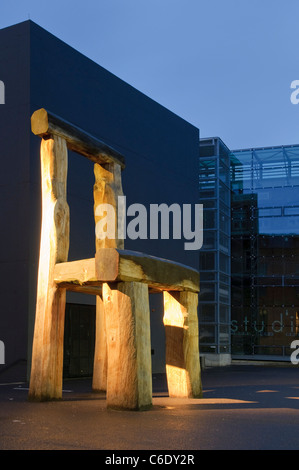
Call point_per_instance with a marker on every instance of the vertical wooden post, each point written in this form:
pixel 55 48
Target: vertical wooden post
pixel 129 378
pixel 107 188
pixel 47 354
pixel 99 378
pixel 182 348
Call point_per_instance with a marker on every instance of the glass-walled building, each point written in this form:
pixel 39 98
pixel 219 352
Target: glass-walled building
pixel 264 250
pixel 214 297
pixel 249 262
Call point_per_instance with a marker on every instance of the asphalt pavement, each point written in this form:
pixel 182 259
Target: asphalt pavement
pixel 245 406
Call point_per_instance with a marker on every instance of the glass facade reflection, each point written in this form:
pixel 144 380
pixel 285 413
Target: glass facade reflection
pixel 249 262
pixel 264 250
pixel 214 297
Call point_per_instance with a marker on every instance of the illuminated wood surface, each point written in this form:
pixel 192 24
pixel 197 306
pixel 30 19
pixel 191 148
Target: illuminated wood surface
pixel 182 351
pixel 120 279
pixel 129 377
pixel 46 124
pixel 107 189
pixel 47 355
pixel 113 265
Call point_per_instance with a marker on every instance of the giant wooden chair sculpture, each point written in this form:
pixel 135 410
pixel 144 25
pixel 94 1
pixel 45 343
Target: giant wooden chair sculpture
pixel 121 281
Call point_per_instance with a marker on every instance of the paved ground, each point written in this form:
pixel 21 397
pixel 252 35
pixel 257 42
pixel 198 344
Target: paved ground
pixel 244 407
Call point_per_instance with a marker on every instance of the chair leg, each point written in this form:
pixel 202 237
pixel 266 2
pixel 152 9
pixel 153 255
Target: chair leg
pixel 129 377
pixel 99 380
pixel 47 352
pixel 182 349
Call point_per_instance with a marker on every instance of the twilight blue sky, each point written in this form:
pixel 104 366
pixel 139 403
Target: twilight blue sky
pixel 225 66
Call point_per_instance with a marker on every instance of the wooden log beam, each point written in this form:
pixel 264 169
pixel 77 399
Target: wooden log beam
pixel 114 265
pixel 129 376
pixel 45 124
pixel 182 349
pixel 47 352
pixel 80 273
pixel 82 289
pixel 106 190
pixel 100 362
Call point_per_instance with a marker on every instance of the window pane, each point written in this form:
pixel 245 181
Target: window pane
pixel 207 261
pixel 224 334
pixel 291 210
pixel 224 194
pixel 207 275
pixel 224 313
pixel 207 149
pixel 224 222
pixel 224 293
pixel 209 240
pixel 224 242
pixel 207 292
pixel 207 312
pixel 223 263
pixel 209 219
pixel 207 333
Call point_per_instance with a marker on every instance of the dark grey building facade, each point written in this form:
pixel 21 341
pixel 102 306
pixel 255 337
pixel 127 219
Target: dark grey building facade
pixel 161 151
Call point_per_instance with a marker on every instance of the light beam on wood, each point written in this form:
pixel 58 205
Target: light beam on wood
pixel 182 350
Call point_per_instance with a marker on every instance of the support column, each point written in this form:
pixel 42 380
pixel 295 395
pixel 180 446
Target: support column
pixel 47 353
pixel 182 348
pixel 99 378
pixel 107 188
pixel 129 378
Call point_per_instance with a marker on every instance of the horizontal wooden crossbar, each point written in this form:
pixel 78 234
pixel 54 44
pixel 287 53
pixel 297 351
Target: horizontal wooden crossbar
pixel 112 265
pixel 125 265
pixel 44 124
